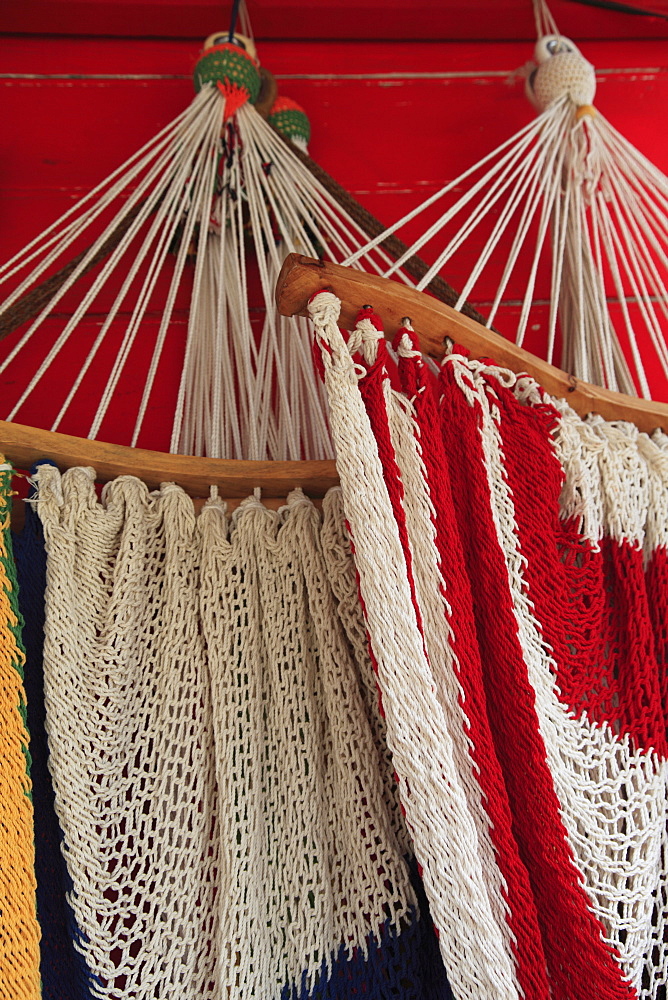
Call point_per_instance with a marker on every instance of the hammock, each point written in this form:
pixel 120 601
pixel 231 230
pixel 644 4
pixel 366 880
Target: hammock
pixel 197 659
pixel 194 861
pixel 174 643
pixel 518 632
pixel 19 932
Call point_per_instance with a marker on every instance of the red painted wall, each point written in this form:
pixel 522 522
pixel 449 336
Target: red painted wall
pixel 392 120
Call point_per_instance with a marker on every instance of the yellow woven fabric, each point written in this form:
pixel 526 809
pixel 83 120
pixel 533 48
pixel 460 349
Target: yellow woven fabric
pixel 19 932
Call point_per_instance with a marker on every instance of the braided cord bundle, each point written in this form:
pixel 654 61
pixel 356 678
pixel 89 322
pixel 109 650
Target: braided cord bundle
pixel 230 821
pixel 19 933
pixel 523 660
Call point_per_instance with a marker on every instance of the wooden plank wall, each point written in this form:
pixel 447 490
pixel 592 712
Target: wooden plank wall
pixel 392 121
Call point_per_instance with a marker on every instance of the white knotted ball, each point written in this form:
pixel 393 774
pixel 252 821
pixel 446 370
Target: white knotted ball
pixel 561 69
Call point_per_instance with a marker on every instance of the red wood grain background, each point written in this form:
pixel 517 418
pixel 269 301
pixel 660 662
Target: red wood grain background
pixel 392 119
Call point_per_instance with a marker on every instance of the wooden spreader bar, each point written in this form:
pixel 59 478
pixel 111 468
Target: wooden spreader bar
pixel 23 446
pixel 300 278
pixel 434 322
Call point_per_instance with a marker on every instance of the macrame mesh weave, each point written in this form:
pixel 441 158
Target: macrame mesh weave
pixel 227 826
pixel 555 652
pixel 19 933
pixel 62 969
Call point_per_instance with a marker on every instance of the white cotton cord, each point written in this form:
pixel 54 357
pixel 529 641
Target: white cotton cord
pixel 122 176
pixel 625 192
pixel 548 195
pixel 515 165
pixel 519 167
pixel 641 268
pixel 634 191
pixel 364 339
pixel 638 164
pixel 530 188
pixel 245 21
pixel 117 254
pixel 545 23
pixel 232 316
pixel 280 377
pixel 275 379
pixel 164 226
pixel 74 276
pixel 216 347
pixel 274 370
pixel 231 234
pixel 530 128
pixel 304 394
pixel 613 247
pixel 253 441
pixel 313 201
pixel 601 318
pixel 443 831
pixel 198 212
pixel 185 194
pixel 216 321
pixel 79 313
pixel 240 395
pixel 644 237
pixel 576 293
pixel 575 270
pixel 558 235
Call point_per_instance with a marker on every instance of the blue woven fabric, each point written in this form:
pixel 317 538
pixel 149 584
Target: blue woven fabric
pixel 63 971
pixel 399 965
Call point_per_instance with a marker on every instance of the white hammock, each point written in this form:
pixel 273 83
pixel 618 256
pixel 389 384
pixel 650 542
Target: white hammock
pixel 228 825
pixel 572 676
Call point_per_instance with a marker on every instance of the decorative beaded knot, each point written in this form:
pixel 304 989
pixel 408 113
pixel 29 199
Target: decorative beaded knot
pixel 233 71
pixel 290 119
pixel 561 69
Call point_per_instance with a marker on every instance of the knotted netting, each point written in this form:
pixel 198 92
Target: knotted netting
pixel 19 931
pixel 512 565
pixel 229 813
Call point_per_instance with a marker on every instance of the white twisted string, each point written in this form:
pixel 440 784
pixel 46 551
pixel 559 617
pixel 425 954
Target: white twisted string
pixel 605 206
pixel 444 834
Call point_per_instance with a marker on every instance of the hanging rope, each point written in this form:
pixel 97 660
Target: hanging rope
pixel 570 181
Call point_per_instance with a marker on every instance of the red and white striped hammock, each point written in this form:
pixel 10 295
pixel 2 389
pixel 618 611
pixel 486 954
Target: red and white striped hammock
pixel 513 573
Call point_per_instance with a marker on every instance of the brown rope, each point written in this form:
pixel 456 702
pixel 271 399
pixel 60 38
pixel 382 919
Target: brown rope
pixel 35 300
pixel 268 92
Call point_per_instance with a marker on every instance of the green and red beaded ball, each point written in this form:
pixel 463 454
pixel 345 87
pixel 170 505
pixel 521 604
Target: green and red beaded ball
pixel 232 67
pixel 290 120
